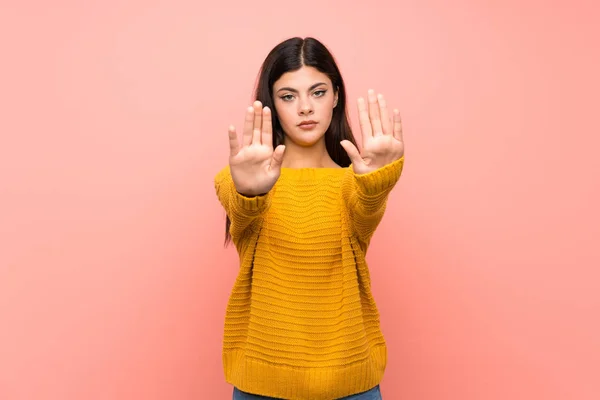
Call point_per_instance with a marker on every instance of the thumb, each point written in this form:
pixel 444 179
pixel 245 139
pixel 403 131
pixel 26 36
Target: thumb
pixel 352 151
pixel 277 159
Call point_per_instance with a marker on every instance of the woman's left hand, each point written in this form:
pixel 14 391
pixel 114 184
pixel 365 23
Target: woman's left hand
pixel 381 136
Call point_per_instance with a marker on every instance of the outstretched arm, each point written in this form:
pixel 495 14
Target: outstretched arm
pixel 374 171
pixel 244 186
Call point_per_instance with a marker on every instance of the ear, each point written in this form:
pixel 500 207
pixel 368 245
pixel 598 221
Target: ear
pixel 335 100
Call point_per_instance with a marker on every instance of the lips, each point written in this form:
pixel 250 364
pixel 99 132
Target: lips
pixel 307 125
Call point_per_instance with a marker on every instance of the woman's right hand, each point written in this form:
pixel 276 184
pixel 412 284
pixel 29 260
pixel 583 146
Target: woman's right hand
pixel 254 165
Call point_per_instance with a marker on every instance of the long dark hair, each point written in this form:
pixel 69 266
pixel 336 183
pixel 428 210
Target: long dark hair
pixel 291 55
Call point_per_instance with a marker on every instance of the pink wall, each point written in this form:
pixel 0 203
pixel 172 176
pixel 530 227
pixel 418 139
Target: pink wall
pixel 114 115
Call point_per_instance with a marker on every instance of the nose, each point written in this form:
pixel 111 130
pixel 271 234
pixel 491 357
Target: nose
pixel 305 108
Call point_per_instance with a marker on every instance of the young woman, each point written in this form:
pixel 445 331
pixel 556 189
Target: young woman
pixel 302 204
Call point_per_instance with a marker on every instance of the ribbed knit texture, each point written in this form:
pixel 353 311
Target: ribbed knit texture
pixel 301 322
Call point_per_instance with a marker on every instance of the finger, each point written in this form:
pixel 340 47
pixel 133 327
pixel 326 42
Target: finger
pixel 397 125
pixel 267 127
pixel 234 145
pixel 385 116
pixel 248 126
pixel 374 114
pixel 257 122
pixel 363 118
pixel 277 159
pixel 352 151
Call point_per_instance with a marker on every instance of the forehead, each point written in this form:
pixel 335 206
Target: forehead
pixel 302 78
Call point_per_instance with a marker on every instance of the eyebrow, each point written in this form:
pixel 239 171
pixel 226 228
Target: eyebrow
pixel 296 91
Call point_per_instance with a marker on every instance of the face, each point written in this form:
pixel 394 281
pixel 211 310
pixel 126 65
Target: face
pixel 302 96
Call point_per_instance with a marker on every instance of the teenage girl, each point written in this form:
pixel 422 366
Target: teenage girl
pixel 302 203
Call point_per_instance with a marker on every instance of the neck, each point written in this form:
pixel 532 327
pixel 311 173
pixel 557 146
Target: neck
pixel 315 156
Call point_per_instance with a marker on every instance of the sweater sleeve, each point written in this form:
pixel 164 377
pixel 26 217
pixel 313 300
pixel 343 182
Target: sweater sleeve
pixel 366 197
pixel 241 210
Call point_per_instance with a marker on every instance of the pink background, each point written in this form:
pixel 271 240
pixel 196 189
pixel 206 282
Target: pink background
pixel 114 115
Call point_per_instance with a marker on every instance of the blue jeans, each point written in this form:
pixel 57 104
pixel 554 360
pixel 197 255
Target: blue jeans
pixel 373 394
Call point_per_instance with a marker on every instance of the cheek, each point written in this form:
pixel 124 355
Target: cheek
pixel 328 109
pixel 284 114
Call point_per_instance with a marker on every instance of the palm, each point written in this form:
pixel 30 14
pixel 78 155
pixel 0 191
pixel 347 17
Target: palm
pixel 253 156
pixel 250 168
pixel 255 166
pixel 382 141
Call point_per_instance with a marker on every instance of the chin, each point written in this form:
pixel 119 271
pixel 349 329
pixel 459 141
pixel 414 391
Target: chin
pixel 307 139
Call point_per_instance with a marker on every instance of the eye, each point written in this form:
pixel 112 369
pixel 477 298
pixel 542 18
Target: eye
pixel 320 93
pixel 287 97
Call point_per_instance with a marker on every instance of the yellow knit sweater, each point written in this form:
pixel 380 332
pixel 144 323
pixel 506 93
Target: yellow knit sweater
pixel 301 322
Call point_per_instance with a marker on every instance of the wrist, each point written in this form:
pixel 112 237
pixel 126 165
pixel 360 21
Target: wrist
pixel 251 195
